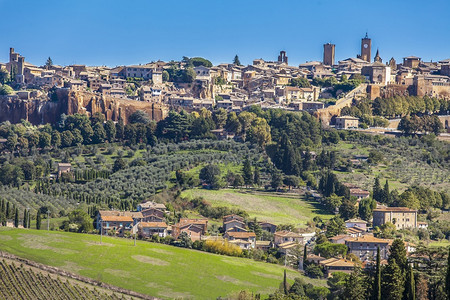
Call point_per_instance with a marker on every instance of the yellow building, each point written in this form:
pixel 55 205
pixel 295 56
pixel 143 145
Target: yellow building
pixel 401 217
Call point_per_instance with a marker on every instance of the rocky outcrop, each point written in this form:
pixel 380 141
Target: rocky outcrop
pixel 71 102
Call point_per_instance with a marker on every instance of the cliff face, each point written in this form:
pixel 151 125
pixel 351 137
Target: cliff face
pixel 70 102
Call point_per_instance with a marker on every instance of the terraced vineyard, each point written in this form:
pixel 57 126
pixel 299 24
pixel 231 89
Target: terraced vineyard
pixel 19 282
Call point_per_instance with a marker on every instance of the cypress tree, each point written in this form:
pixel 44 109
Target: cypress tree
pixel 386 193
pixel 38 220
pixel 285 284
pixel 305 256
pixel 377 190
pixel 257 177
pixel 410 285
pixel 16 218
pixel 25 219
pixel 8 210
pixel 247 173
pixel 393 281
pixel 377 281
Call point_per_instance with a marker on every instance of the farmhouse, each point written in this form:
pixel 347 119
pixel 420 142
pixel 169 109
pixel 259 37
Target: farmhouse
pixel 245 240
pixel 285 236
pixel 337 265
pixel 64 168
pixel 147 229
pixel 116 224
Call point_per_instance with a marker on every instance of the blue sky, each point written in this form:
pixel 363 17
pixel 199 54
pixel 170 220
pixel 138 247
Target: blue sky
pixel 107 32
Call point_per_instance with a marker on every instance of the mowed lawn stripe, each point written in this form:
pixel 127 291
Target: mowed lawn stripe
pixel 149 268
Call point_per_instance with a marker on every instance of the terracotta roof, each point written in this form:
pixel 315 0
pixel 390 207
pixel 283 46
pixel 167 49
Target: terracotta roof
pixel 193 221
pixel 237 227
pixel 238 235
pixel 285 233
pixel 151 204
pixel 117 218
pixel 355 229
pixel 338 237
pixel 336 262
pixel 133 214
pixel 368 239
pixel 188 226
pixel 359 191
pixel 153 224
pixel 287 245
pixel 234 220
pixel 397 209
pixel 315 257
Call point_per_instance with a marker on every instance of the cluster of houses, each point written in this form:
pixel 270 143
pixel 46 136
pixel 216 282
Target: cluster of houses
pixel 150 220
pixel 234 87
pixel 362 243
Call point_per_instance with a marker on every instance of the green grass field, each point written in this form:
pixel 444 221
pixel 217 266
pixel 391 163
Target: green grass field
pixel 441 243
pixel 55 223
pixel 159 270
pixel 270 207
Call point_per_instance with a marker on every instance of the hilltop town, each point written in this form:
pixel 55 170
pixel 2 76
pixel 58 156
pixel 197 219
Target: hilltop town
pixel 322 88
pixel 335 173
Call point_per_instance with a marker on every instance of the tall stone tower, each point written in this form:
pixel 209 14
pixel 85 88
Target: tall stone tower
pixel 328 54
pixel 282 58
pixel 366 45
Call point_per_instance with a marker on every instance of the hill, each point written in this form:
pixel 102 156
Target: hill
pixel 271 207
pixel 153 269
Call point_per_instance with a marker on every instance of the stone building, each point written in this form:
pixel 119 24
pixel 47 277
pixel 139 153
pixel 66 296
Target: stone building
pixel 401 217
pixel 411 61
pixel 377 73
pixel 346 122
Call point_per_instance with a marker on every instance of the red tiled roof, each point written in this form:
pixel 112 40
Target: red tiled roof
pixel 286 233
pixel 239 235
pixel 368 239
pixel 117 219
pixel 153 224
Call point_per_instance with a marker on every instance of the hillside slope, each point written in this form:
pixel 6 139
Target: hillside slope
pixel 153 269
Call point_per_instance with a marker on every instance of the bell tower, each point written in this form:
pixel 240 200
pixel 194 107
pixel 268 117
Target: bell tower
pixel 366 45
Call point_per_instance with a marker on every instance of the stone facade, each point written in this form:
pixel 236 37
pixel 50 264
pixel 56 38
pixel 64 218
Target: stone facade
pixel 401 217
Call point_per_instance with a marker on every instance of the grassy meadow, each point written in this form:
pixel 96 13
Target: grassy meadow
pixel 270 207
pixel 159 270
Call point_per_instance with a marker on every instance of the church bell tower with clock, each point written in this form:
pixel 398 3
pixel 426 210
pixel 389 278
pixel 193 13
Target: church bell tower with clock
pixel 366 45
